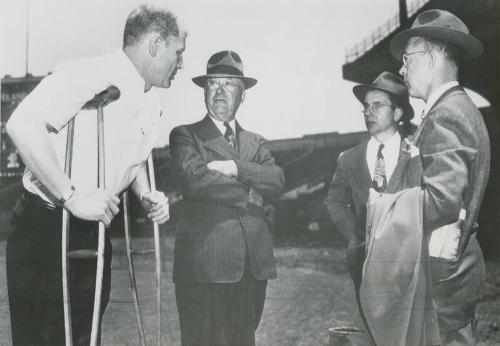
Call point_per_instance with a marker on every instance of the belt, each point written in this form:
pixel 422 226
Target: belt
pixel 36 200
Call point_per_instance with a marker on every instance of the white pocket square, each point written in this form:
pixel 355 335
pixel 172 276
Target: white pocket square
pixel 444 240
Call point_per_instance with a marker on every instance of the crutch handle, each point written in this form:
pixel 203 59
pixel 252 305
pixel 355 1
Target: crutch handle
pixel 104 98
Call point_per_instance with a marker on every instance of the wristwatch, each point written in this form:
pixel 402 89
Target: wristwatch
pixel 67 195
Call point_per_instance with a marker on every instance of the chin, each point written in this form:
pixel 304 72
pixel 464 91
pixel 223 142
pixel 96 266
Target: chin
pixel 225 117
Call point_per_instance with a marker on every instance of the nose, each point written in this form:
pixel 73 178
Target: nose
pixel 219 89
pixel 180 63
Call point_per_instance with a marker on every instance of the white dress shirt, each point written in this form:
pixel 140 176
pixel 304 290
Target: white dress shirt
pixel 433 97
pixel 220 125
pixel 131 124
pixel 390 152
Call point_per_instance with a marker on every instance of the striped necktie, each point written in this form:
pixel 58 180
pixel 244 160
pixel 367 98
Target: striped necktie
pixel 379 182
pixel 229 134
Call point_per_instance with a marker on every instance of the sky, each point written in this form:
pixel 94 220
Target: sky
pixel 294 48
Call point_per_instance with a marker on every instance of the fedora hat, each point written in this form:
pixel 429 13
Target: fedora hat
pixel 391 84
pixel 441 25
pixel 225 64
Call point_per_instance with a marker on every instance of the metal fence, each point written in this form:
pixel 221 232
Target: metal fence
pixel 384 30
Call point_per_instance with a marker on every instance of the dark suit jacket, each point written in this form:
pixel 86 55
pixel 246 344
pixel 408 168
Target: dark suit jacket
pixel 218 227
pixel 455 152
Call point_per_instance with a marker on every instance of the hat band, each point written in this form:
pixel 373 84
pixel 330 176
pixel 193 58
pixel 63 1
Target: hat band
pixel 224 69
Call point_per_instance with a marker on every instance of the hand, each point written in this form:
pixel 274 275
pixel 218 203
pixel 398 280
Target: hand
pixel 97 205
pixel 227 167
pixel 156 204
pixel 444 241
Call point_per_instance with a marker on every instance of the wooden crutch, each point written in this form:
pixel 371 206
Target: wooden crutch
pixel 98 102
pixel 131 252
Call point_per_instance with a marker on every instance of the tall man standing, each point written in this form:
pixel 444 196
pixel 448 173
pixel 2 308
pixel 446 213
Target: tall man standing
pixel 370 164
pixel 224 249
pixel 153 44
pixel 455 152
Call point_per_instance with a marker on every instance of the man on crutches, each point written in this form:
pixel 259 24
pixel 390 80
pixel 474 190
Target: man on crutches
pixel 152 53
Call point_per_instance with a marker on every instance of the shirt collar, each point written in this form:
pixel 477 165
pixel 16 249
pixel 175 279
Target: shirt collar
pixel 128 70
pixel 220 124
pixel 436 94
pixel 394 140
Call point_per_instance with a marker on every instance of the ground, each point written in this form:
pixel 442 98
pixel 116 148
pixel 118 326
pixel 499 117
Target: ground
pixel 313 293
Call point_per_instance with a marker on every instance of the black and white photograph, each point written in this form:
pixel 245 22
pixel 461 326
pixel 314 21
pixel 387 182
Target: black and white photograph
pixel 250 172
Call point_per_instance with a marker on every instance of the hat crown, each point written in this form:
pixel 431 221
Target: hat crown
pixel 391 83
pixel 225 62
pixel 440 25
pixel 440 18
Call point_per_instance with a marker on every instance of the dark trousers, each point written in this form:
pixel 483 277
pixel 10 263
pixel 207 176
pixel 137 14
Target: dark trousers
pixel 34 275
pixel 220 314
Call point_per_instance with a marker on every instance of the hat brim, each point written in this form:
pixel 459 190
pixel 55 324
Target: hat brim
pixel 470 45
pixel 361 90
pixel 247 81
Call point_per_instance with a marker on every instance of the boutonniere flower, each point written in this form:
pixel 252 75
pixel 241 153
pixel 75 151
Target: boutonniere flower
pixel 411 149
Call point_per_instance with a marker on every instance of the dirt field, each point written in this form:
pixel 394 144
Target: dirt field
pixel 313 293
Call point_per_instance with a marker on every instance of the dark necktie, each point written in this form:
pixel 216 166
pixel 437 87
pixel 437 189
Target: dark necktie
pixel 379 182
pixel 229 134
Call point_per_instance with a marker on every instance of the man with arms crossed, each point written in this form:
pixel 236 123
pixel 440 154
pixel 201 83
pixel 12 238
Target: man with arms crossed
pixel 224 248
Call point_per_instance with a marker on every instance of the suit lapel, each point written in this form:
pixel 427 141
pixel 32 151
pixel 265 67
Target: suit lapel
pixel 248 144
pixel 361 172
pixel 360 169
pixel 415 138
pixel 397 175
pixel 213 139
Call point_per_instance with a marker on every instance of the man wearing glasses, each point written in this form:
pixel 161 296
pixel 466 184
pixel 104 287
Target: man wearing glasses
pixel 371 164
pixel 455 154
pixel 224 249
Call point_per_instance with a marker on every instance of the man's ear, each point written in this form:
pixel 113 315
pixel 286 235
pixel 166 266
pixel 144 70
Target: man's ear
pixel 154 44
pixel 432 58
pixel 398 114
pixel 243 96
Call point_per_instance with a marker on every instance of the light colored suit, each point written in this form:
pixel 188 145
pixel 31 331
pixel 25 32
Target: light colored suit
pixel 455 152
pixel 396 290
pixel 452 168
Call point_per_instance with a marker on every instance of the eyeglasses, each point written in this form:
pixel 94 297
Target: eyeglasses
pixel 375 107
pixel 406 55
pixel 214 84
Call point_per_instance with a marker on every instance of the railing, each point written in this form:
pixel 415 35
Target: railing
pixel 384 30
pixel 414 6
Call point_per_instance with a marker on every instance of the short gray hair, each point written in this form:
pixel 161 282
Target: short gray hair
pixel 145 19
pixel 452 53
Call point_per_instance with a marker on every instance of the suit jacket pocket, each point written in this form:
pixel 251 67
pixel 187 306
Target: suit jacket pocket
pixel 442 269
